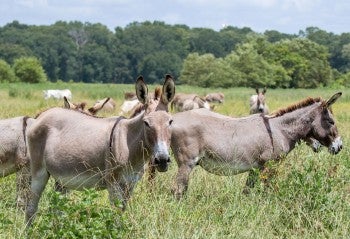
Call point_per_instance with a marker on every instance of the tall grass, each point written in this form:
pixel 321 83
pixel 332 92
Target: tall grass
pixel 309 196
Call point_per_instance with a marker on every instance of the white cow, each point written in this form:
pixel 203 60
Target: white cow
pixel 57 94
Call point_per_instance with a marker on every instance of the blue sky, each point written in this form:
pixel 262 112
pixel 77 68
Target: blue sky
pixel 287 16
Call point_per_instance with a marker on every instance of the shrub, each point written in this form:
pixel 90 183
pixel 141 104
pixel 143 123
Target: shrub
pixel 29 69
pixel 6 72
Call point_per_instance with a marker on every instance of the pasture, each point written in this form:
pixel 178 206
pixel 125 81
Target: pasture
pixel 308 196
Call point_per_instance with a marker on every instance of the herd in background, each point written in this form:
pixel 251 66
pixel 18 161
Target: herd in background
pixel 181 101
pixel 115 159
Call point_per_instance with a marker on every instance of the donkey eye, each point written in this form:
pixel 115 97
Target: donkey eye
pixel 147 124
pixel 331 122
pixel 170 122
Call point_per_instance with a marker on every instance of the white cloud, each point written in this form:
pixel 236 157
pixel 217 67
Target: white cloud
pixel 300 5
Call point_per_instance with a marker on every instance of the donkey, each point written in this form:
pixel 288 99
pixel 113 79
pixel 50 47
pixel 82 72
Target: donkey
pixel 114 153
pixel 257 103
pixel 70 105
pixel 184 102
pixel 13 154
pixel 14 157
pixel 106 105
pixel 227 146
pixel 216 97
pixel 81 106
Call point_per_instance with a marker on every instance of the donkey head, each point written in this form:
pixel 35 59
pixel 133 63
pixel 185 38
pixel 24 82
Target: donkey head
pixel 157 122
pixel 74 106
pixel 323 127
pixel 260 104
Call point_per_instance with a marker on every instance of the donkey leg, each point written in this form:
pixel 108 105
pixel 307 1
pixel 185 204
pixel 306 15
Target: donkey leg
pixel 117 193
pixel 23 186
pixel 181 182
pixel 39 181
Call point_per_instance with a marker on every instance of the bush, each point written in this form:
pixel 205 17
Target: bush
pixel 6 72
pixel 29 69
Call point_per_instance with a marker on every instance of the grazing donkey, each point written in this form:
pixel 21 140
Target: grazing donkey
pixel 114 150
pixel 215 97
pixel 227 146
pixel 184 102
pixel 257 103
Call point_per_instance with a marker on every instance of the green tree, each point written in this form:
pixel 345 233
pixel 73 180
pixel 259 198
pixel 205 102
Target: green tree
pixel 198 70
pixel 29 69
pixel 306 62
pixel 6 72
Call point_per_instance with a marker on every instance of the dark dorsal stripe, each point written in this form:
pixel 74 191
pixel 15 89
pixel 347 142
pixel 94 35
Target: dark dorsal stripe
pixel 112 133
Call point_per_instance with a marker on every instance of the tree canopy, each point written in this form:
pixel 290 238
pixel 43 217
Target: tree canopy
pixel 85 52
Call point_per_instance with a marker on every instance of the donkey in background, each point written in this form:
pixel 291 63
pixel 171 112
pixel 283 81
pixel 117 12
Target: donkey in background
pixel 114 153
pixel 227 146
pixel 184 102
pixel 257 103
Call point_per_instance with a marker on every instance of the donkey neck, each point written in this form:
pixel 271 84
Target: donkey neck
pixel 297 124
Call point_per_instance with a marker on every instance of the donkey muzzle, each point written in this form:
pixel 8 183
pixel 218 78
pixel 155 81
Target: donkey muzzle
pixel 161 157
pixel 161 161
pixel 315 145
pixel 336 146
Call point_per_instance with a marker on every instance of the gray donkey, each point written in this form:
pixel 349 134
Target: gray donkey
pixel 257 103
pixel 227 146
pixel 82 151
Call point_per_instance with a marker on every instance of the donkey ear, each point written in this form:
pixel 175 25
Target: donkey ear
pixel 257 90
pixel 105 102
pixel 264 90
pixel 141 90
pixel 168 91
pixel 66 103
pixel 333 99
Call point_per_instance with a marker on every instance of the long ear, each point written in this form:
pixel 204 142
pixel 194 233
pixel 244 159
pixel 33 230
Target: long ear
pixel 105 102
pixel 333 99
pixel 257 90
pixel 264 91
pixel 141 90
pixel 67 104
pixel 168 91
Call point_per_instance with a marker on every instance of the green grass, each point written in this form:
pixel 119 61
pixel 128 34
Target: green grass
pixel 309 197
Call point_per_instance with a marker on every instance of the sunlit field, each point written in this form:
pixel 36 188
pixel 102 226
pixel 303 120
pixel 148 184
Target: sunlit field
pixel 308 196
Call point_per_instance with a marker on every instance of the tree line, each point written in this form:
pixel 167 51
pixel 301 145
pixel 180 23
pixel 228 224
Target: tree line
pixel 86 52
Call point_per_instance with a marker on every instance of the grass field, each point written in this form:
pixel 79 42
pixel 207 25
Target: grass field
pixel 309 197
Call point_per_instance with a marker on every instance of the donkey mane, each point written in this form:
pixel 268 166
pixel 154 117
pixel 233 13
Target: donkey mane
pixel 306 102
pixel 140 107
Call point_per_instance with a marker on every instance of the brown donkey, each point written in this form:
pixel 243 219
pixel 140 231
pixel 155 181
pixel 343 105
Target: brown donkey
pixel 227 146
pixel 81 151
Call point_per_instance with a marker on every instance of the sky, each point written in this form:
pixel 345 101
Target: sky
pixel 286 16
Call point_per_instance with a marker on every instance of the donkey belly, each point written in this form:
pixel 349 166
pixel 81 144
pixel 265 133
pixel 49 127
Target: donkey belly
pixel 225 167
pixel 79 181
pixel 77 173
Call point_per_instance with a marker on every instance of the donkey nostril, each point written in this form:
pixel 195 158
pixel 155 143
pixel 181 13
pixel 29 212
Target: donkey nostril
pixel 168 160
pixel 156 161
